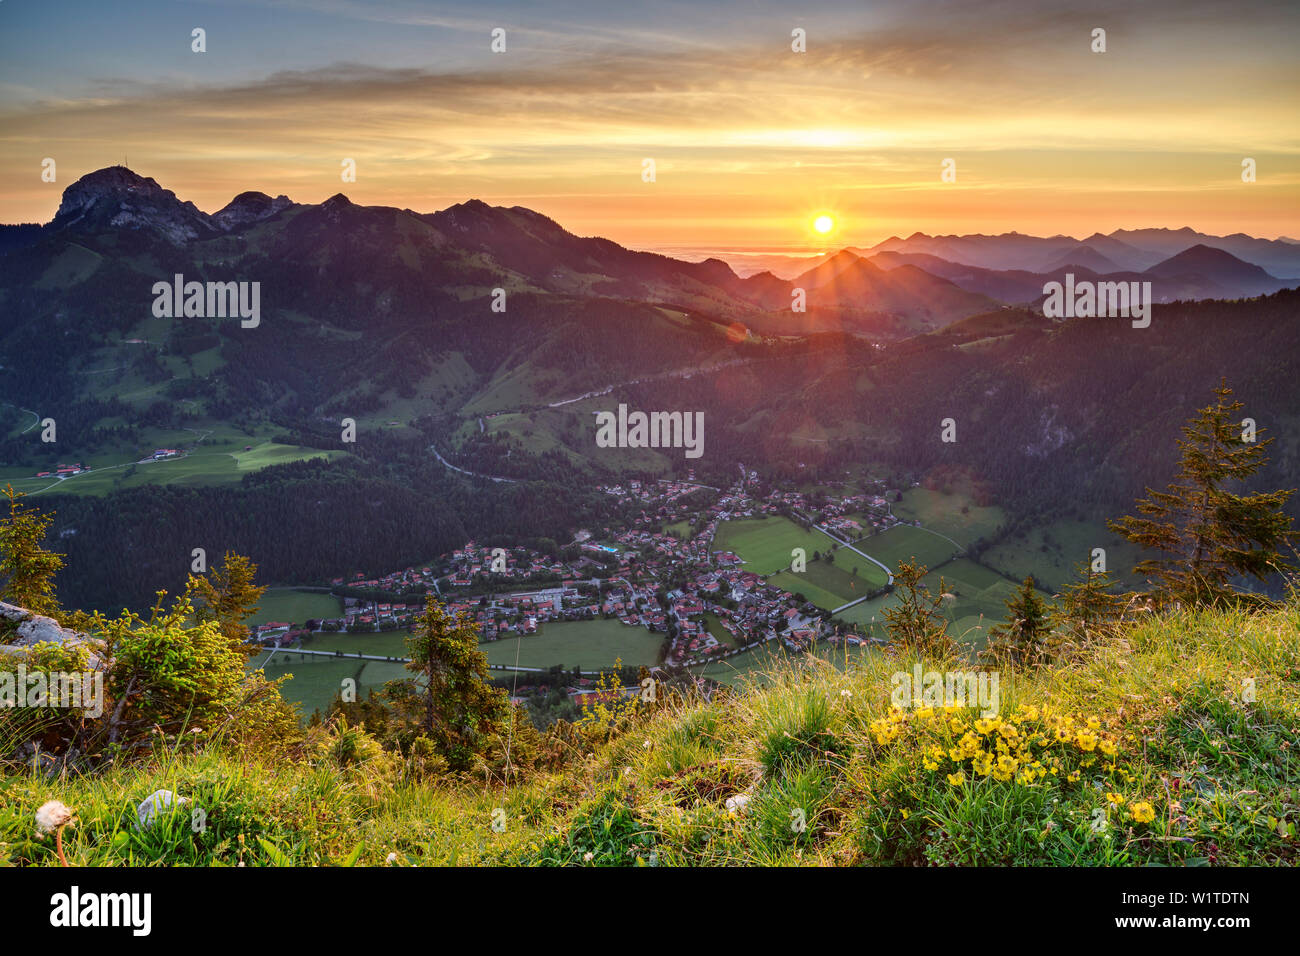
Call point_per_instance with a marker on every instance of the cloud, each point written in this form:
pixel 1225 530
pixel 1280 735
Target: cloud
pixel 717 98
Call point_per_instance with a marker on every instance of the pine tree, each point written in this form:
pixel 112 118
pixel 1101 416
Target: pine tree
pixel 228 596
pixel 916 623
pixel 460 712
pixel 1084 608
pixel 1022 637
pixel 1209 534
pixel 27 568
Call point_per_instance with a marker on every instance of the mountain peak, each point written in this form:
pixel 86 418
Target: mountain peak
pixel 249 207
pixel 1212 262
pixel 119 198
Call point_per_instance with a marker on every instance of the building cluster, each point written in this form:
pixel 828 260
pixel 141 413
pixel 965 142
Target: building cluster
pixel 658 570
pixel 63 471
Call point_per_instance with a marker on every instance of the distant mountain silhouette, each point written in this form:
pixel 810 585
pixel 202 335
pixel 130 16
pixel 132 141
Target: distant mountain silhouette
pixel 323 254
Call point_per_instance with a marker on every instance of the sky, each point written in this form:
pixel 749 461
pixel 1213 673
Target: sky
pixel 751 141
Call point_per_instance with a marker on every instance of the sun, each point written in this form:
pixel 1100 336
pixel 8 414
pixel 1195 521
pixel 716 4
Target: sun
pixel 823 224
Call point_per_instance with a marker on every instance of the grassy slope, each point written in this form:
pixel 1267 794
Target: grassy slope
pixel 1220 773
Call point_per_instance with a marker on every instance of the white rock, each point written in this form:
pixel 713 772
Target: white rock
pixel 158 800
pixel 737 803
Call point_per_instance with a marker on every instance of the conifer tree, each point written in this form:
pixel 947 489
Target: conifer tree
pixel 228 596
pixel 1022 637
pixel 461 713
pixel 1208 534
pixel 27 567
pixel 1085 607
pixel 916 623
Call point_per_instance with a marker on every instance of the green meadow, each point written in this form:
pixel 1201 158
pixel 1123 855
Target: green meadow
pixel 907 543
pixel 589 645
pixel 1052 552
pixel 295 606
pixel 955 515
pixel 212 457
pixel 765 544
pixel 979 597
pixel 831 581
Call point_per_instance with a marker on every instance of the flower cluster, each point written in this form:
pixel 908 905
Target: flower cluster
pixel 1028 746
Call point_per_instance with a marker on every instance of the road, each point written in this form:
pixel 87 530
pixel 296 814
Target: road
pixel 840 541
pixel 472 474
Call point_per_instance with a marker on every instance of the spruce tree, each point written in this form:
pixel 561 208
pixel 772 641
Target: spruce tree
pixel 1206 533
pixel 27 567
pixel 460 712
pixel 1022 637
pixel 1084 608
pixel 916 623
pixel 227 596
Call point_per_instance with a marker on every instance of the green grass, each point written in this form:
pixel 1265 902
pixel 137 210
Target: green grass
pixel 763 663
pixel 1217 767
pixel 295 607
pixel 943 513
pixel 713 624
pixel 765 544
pixel 316 680
pixel 980 597
pixel 219 458
pixel 1051 553
pixel 864 613
pixel 906 543
pixel 589 645
pixel 830 582
pixel 805 585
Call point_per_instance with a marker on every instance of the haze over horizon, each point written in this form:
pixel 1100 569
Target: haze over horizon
pixel 751 141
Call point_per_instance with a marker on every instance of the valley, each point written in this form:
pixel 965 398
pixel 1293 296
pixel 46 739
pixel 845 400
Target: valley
pixel 721 604
pixel 383 412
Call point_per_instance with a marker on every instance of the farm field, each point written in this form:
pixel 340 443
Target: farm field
pixel 907 543
pixel 589 645
pixel 1051 553
pixel 862 615
pixel 208 464
pixel 736 670
pixel 943 513
pixel 751 666
pixel 764 544
pixel 830 582
pixel 384 643
pixel 802 584
pixel 713 624
pixel 294 606
pixel 980 597
pixel 316 680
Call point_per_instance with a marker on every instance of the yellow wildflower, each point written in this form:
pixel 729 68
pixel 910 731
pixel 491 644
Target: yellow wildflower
pixel 1143 812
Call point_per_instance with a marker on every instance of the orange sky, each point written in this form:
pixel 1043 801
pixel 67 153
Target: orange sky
pixel 750 139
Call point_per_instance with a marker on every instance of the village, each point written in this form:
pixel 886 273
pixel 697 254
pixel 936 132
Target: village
pixel 661 573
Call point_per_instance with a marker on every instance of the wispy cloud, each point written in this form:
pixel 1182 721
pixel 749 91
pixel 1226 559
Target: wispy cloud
pixel 732 116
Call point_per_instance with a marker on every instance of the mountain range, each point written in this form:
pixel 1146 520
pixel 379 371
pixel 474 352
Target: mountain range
pixel 386 316
pixel 893 289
